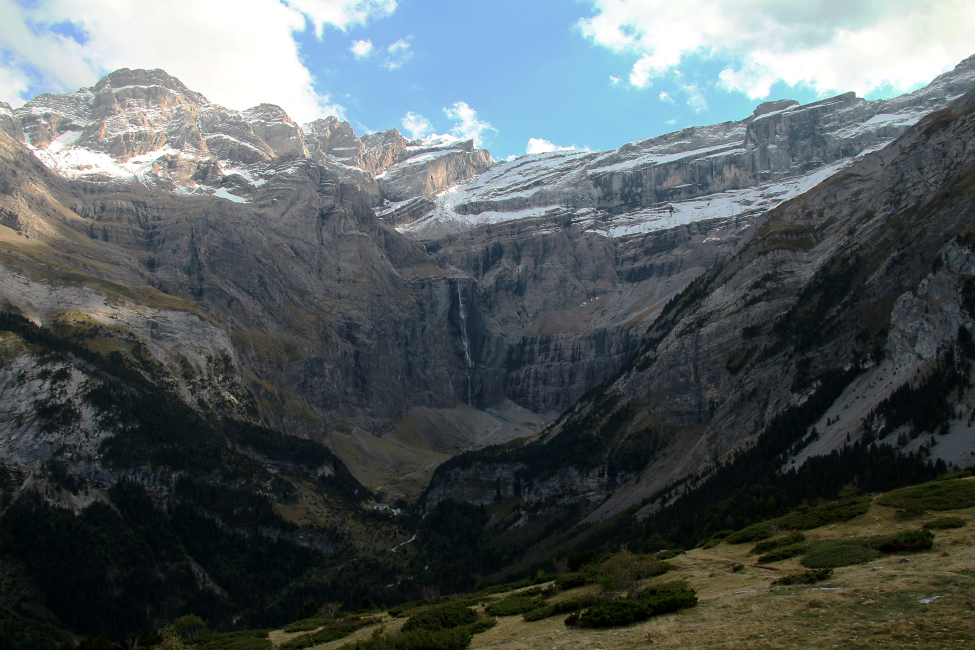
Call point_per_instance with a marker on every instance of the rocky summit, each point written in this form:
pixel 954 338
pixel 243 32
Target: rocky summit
pixel 266 325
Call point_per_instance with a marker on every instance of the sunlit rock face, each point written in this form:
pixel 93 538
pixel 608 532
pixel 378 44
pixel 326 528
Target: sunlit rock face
pixel 353 279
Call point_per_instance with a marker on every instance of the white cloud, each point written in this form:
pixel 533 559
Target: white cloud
pixel 695 98
pixel 467 126
pixel 417 125
pixel 614 80
pixel 397 54
pixel 236 52
pixel 538 145
pixel 829 45
pixel 342 13
pixel 361 49
pixel 665 97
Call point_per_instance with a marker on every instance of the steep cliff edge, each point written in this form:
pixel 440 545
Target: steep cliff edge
pixel 844 318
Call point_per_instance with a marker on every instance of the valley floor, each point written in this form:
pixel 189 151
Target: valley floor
pixel 914 600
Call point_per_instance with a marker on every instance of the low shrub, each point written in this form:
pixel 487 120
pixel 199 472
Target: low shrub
pixel 753 533
pixel 805 578
pixel 809 516
pixel 244 640
pixel 716 539
pixel 563 607
pixel 456 638
pixel 500 589
pixel 415 607
pixel 441 617
pixel 404 608
pixel 669 553
pixel 909 541
pixel 769 544
pixel 575 579
pixel 656 600
pixel 738 566
pixel 333 631
pixel 483 624
pixel 832 554
pixel 306 624
pixel 784 553
pixel 514 605
pixel 951 494
pixel 944 523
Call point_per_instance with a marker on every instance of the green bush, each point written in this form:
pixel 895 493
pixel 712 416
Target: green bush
pixel 456 638
pixel 483 625
pixel 805 578
pixel 660 599
pixel 308 610
pixel 937 495
pixel 306 624
pixel 716 539
pixel 783 553
pixel 500 589
pixel 244 640
pixel 909 541
pixel 753 533
pixel 575 579
pixel 944 523
pixel 514 605
pixel 778 542
pixel 334 630
pixel 670 553
pixel 441 617
pixel 815 515
pixel 828 555
pixel 563 607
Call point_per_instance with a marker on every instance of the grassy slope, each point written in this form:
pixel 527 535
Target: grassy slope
pixel 863 607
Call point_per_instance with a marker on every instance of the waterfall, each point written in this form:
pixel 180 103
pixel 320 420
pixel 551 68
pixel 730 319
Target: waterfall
pixel 466 342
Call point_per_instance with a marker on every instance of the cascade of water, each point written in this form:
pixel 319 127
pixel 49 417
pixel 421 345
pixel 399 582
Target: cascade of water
pixel 466 342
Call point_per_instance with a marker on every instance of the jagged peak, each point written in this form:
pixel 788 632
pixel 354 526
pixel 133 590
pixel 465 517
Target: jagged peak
pixel 775 105
pixel 127 78
pixel 328 125
pixel 268 113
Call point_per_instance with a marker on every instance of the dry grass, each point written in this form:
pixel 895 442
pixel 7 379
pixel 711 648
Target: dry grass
pixel 862 606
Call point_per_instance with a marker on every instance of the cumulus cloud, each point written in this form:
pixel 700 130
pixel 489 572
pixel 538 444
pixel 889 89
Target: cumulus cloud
pixel 361 49
pixel 665 97
pixel 829 45
pixel 539 145
pixel 695 98
pixel 236 52
pixel 341 13
pixel 416 125
pixel 397 54
pixel 467 126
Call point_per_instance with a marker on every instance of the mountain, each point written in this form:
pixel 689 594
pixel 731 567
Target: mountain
pixel 838 331
pixel 248 338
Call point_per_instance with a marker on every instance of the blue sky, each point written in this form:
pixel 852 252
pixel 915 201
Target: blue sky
pixel 536 77
pixel 516 75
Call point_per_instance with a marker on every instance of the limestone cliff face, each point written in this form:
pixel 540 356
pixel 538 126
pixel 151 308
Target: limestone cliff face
pixel 551 314
pixel 863 271
pixel 342 319
pixel 731 168
pixel 427 172
pixel 145 126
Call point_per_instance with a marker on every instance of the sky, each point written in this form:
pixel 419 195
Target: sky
pixel 517 76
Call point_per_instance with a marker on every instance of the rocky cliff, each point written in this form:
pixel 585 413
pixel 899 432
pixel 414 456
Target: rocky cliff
pixel 481 308
pixel 843 320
